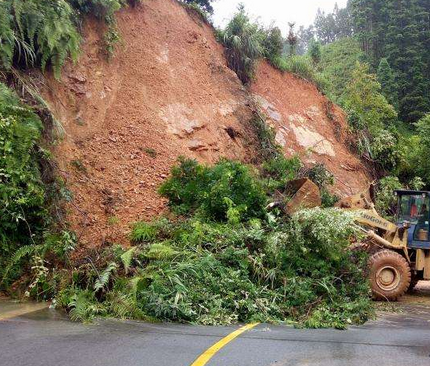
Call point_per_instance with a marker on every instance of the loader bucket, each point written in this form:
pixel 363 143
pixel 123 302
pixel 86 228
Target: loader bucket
pixel 302 193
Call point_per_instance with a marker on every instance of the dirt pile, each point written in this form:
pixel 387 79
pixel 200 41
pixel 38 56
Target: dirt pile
pixel 168 92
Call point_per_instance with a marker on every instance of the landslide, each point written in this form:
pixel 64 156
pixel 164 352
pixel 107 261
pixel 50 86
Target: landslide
pixel 308 124
pixel 168 92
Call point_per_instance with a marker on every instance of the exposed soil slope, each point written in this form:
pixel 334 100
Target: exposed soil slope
pixel 307 123
pixel 168 92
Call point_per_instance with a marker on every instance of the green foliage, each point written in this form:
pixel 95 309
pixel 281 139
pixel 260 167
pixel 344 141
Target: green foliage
pixel 243 42
pixel 46 32
pixel 268 148
pixel 102 9
pixel 338 61
pixel 315 52
pixel 279 170
pixel 423 162
pixel 104 277
pixel 324 180
pixel 273 44
pixel 83 306
pixel 372 117
pixel 364 100
pixel 105 10
pixel 41 31
pixel 398 30
pixel 304 67
pixel 388 83
pixel 22 194
pixel 385 201
pixel 225 264
pixel 205 5
pixel 144 232
pixel 223 273
pixel 217 193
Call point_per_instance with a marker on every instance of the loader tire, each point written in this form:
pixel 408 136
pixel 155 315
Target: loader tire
pixel 390 275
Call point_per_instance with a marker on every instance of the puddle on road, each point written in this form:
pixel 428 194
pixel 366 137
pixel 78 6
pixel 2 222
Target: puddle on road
pixel 10 308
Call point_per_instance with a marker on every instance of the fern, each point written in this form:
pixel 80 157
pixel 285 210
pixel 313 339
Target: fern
pixel 83 306
pixel 127 258
pixel 104 277
pixel 144 232
pixel 21 253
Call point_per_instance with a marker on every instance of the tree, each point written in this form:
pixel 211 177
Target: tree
pixel 388 83
pixel 399 30
pixel 292 39
pixel 306 36
pixel 423 129
pixel 333 26
pixel 315 52
pixel 273 43
pixel 364 100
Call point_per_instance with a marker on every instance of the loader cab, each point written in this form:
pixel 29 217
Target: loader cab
pixel 413 208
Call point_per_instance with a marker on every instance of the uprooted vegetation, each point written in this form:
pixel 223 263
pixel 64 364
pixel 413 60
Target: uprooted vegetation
pixel 228 260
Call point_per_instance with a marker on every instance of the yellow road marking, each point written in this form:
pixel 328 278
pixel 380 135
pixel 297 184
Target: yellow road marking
pixel 26 309
pixel 210 352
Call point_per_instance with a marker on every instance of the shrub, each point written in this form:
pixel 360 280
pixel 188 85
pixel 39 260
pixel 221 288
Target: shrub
pixel 243 42
pixel 45 32
pixel 226 191
pixel 205 5
pixel 315 52
pixel 273 44
pixel 385 201
pixel 279 170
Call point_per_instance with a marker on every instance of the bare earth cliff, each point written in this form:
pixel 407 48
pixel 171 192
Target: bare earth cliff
pixel 168 92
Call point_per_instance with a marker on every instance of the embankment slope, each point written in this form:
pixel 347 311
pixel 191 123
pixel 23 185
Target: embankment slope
pixel 168 92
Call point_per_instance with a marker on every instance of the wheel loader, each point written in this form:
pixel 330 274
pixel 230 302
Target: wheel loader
pixel 399 253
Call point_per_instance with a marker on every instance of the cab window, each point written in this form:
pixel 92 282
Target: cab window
pixel 414 208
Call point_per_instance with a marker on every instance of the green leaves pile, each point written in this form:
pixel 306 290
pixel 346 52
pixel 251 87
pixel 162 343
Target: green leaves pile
pixel 208 268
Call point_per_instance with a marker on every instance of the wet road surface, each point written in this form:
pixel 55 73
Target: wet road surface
pixel 46 337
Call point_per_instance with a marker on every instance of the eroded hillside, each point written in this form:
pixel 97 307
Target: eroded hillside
pixel 307 123
pixel 168 92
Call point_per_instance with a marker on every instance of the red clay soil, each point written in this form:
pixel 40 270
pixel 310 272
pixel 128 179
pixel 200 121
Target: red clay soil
pixel 166 92
pixel 308 124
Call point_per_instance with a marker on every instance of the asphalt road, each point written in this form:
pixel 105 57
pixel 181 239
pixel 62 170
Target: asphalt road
pixel 46 337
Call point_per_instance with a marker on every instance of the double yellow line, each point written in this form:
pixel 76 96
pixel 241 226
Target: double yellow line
pixel 210 352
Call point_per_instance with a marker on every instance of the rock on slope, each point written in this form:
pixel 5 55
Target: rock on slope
pixel 167 92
